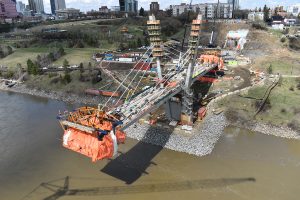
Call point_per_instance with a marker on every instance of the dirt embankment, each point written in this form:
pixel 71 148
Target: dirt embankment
pixel 221 30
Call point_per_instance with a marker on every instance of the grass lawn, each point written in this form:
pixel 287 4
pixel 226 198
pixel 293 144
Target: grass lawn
pixel 78 55
pixel 284 104
pixel 283 65
pixel 21 56
pixel 44 82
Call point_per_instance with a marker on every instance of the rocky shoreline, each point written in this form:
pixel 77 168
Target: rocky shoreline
pixel 200 142
pixel 283 132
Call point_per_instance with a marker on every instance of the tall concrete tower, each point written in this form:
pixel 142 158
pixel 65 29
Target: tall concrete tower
pixel 235 3
pixel 57 5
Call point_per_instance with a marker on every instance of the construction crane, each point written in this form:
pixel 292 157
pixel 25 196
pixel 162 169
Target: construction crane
pixel 96 132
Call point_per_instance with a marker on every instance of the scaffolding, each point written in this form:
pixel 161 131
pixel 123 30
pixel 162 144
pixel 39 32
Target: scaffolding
pixel 194 35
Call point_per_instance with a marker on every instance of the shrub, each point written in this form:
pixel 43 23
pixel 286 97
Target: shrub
pixel 67 78
pixel 259 26
pixel 283 39
pixel 270 69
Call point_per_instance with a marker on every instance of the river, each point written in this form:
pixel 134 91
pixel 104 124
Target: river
pixel 34 165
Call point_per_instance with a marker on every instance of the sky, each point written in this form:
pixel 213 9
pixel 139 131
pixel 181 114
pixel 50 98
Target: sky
pixel 85 5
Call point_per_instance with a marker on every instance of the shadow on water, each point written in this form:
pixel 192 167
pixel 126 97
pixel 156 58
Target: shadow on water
pixel 61 190
pixel 131 165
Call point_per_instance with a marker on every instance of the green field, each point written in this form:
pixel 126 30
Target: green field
pixel 21 56
pixel 74 56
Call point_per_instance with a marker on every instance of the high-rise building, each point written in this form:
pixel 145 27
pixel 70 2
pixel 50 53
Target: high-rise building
pixel 154 7
pixel 8 9
pixel 57 5
pixel 208 10
pixel 39 4
pixel 128 6
pixel 20 6
pixel 32 6
pixel 235 3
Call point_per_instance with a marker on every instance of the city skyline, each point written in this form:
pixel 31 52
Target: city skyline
pixel 86 5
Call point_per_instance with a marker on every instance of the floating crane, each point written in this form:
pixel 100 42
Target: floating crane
pixel 96 132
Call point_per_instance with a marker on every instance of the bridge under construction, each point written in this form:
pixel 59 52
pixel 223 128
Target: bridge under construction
pixel 96 132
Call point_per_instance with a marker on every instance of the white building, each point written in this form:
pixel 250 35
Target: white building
pixel 209 10
pixel 256 16
pixel 68 13
pixel 294 10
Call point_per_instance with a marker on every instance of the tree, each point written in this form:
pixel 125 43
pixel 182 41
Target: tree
pixel 142 11
pixel 139 42
pixel 32 68
pixel 65 63
pixel 270 69
pixel 61 51
pixel 90 67
pixel 81 69
pixel 266 13
pixel 29 66
pixel 67 78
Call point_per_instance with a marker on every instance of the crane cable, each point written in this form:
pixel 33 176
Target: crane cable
pixel 126 77
pixel 129 84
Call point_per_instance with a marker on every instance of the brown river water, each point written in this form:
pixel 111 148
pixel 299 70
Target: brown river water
pixel 34 165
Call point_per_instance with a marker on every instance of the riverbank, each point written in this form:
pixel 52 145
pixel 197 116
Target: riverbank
pixel 200 142
pixel 61 96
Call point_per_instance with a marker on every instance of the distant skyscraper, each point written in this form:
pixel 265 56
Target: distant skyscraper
pixel 235 2
pixel 37 6
pixel 8 9
pixel 154 7
pixel 128 6
pixel 32 6
pixel 20 6
pixel 57 5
